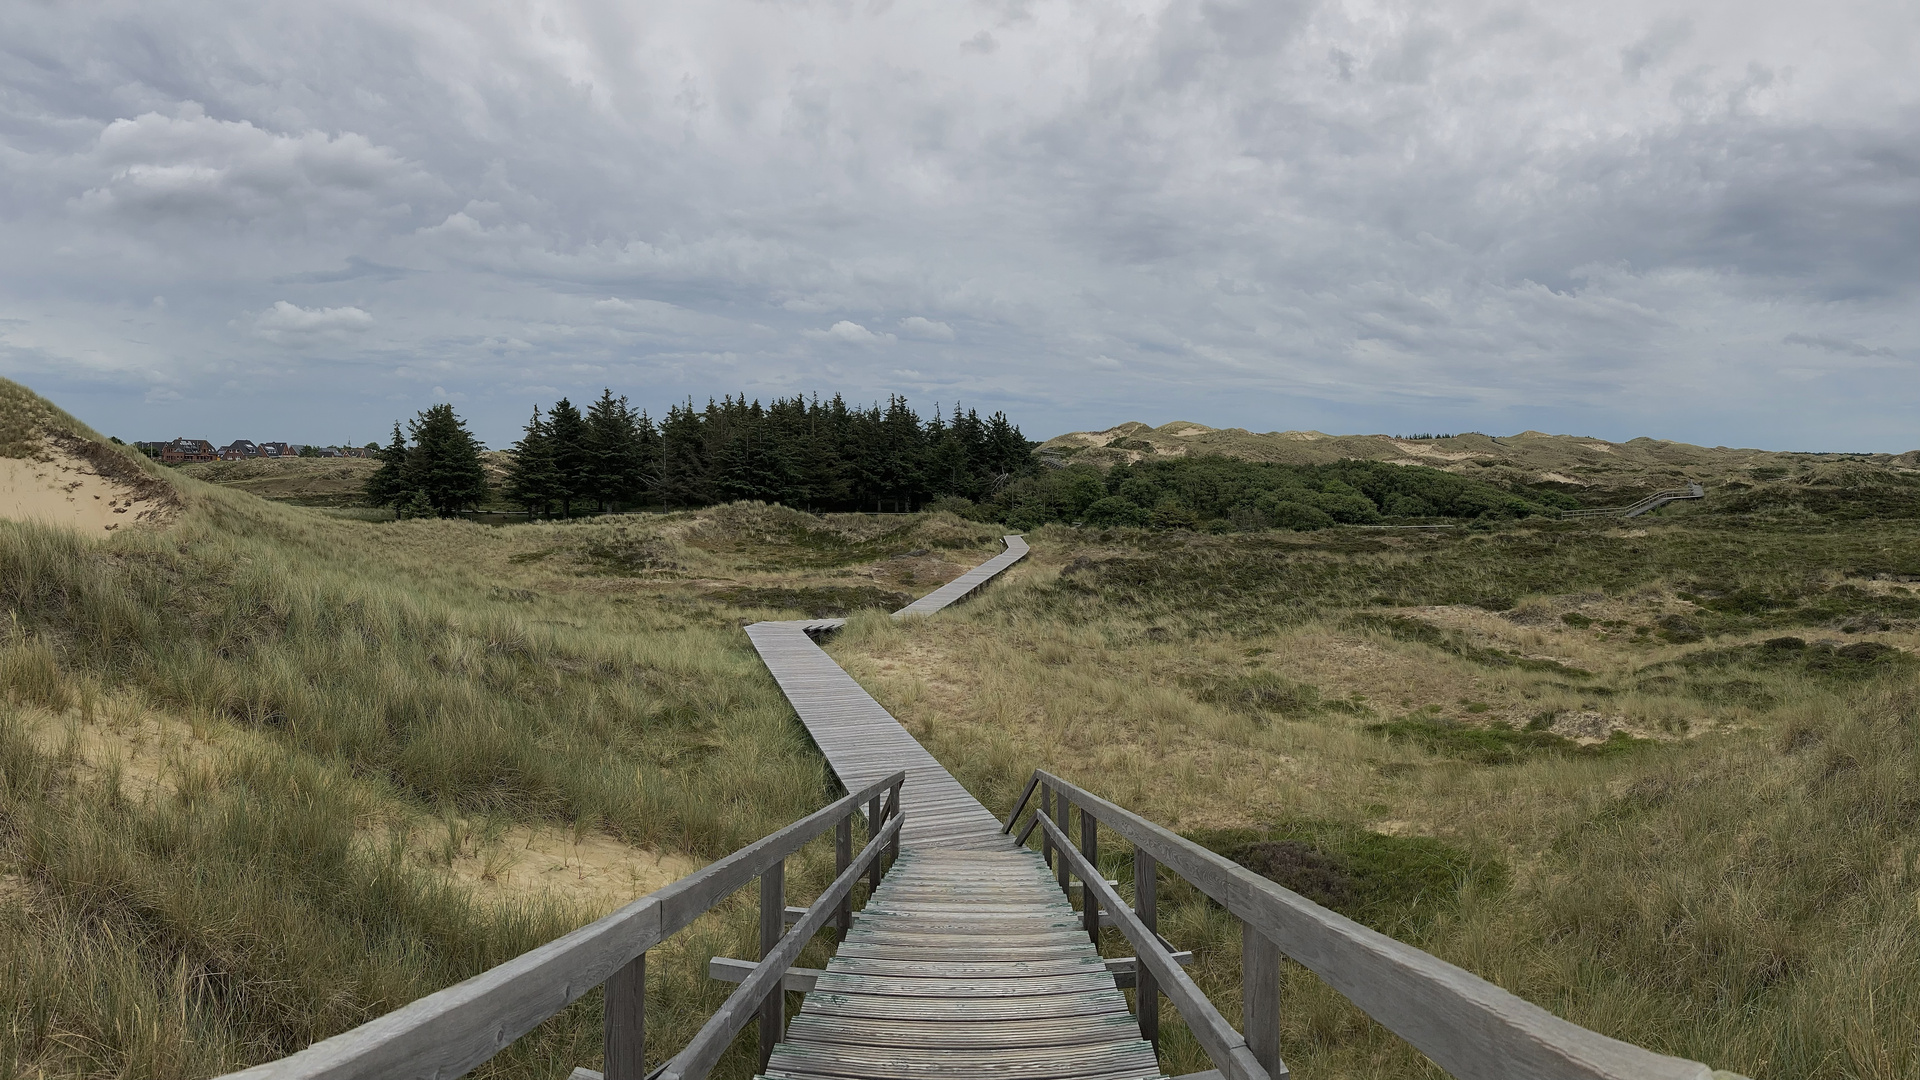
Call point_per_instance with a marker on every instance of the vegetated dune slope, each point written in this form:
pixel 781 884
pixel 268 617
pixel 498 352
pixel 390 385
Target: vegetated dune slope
pixel 268 772
pixel 1528 458
pixel 337 482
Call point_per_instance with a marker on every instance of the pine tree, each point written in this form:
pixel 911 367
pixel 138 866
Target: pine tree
pixel 572 463
pixel 684 477
pixel 444 464
pixel 613 458
pixel 530 477
pixel 388 484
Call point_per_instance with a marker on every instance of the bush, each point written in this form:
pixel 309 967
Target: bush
pixel 1114 511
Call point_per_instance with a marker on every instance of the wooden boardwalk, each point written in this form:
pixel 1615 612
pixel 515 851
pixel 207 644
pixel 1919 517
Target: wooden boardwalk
pixel 968 583
pixel 968 963
pixel 965 965
pixel 862 741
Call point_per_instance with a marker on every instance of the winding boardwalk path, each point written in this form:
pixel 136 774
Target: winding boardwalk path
pixel 968 963
pixel 861 740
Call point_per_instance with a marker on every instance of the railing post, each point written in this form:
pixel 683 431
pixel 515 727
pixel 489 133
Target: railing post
pixel 893 848
pixel 1064 819
pixel 873 830
pixel 1045 809
pixel 843 858
pixel 1090 847
pixel 624 1022
pixel 1146 996
pixel 1260 996
pixel 773 926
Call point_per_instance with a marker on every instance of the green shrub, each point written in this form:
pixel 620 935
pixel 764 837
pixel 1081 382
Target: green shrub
pixel 1493 745
pixel 1394 884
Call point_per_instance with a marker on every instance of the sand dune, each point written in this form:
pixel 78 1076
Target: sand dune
pixel 83 486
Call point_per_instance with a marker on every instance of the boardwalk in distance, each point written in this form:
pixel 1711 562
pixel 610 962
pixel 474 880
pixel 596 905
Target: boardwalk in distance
pixel 862 741
pixel 968 963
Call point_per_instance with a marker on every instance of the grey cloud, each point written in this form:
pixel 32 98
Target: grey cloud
pixel 1661 41
pixel 355 269
pixel 1289 214
pixel 1836 345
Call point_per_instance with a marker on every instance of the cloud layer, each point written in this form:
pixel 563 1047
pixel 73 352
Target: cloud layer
pixel 1694 222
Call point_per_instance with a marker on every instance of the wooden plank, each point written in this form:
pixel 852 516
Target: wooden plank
pixel 822 1028
pixel 981 997
pixel 1037 1063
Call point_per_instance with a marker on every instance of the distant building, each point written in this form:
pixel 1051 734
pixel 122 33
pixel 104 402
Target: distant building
pixel 239 450
pixel 183 451
pixel 151 449
pixel 276 450
pixel 355 451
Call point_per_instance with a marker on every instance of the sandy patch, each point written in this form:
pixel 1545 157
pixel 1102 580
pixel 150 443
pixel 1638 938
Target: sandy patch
pixel 74 484
pixel 1562 478
pixel 916 569
pixel 154 753
pixel 1600 446
pixel 1434 453
pixel 593 871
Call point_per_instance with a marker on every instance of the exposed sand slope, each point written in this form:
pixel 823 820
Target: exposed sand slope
pixel 71 482
pixel 153 752
pixel 1530 456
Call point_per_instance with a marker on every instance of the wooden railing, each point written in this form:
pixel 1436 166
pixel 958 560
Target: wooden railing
pixel 1647 505
pixel 445 1034
pixel 1468 1026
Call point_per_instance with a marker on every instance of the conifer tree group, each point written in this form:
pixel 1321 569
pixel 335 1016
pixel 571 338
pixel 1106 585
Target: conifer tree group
pixel 440 473
pixel 805 453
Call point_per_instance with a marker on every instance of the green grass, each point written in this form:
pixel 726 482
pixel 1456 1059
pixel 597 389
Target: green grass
pixel 339 687
pixel 1741 893
pixel 1494 745
pixel 25 417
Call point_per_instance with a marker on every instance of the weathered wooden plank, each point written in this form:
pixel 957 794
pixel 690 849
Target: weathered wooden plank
pixel 1005 986
pixel 950 1010
pixel 827 1028
pixel 1036 1063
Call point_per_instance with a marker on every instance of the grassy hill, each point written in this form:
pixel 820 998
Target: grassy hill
pixel 267 772
pixel 1570 463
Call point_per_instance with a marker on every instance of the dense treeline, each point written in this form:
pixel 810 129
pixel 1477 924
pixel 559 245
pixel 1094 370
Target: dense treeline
pixel 829 456
pixel 1229 494
pixel 809 454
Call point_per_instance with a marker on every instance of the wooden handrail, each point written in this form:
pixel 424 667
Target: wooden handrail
pixel 449 1032
pixel 699 1057
pixel 1224 1046
pixel 1645 505
pixel 1467 1025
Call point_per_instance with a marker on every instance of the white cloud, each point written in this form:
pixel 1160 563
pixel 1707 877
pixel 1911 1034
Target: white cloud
pixel 291 323
pixel 916 326
pixel 193 165
pixel 851 333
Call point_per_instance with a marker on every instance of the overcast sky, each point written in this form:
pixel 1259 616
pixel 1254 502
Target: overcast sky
pixel 1690 220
